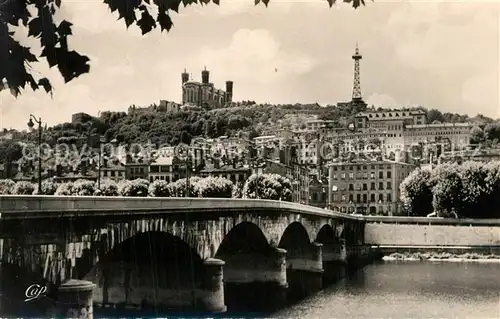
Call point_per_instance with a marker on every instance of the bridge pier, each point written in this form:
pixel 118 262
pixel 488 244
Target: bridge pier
pixel 212 293
pixel 334 263
pixel 256 281
pixel 74 300
pixel 305 271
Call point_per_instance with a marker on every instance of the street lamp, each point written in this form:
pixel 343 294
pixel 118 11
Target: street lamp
pixel 184 154
pixel 101 141
pixel 31 125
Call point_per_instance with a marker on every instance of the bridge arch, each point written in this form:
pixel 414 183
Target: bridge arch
pixel 245 237
pixel 150 266
pixel 295 237
pixel 326 235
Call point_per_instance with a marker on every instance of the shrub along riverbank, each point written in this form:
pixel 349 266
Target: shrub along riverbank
pixel 442 256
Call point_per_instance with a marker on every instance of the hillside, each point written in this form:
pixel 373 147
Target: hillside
pixel 243 121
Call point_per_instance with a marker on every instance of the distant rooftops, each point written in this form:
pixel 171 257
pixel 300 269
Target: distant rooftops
pixel 438 125
pixel 391 114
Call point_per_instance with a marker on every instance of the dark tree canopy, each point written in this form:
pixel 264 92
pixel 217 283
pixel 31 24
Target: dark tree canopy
pixel 16 60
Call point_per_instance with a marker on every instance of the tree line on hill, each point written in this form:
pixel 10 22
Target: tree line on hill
pixel 470 190
pixel 261 186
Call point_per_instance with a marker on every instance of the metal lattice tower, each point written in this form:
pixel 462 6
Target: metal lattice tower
pixel 356 89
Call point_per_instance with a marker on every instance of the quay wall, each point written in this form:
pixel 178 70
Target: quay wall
pixel 396 234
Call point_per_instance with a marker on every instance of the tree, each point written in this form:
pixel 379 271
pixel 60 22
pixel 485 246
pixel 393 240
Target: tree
pixel 107 188
pixel 178 188
pixel 15 59
pixel 448 191
pixel 267 186
pixel 23 188
pixel 434 115
pixel 138 187
pixel 416 193
pixel 6 186
pixel 493 186
pixel 64 189
pixel 48 188
pixel 83 187
pixel 159 188
pixel 477 135
pixel 215 187
pixel 476 191
pixel 492 131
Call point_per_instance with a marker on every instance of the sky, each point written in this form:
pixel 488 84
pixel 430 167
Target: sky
pixel 442 55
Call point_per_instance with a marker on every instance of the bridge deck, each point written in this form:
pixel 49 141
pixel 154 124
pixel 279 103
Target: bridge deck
pixel 15 207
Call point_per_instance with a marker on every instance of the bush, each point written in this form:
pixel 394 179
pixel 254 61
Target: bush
pixel 159 188
pixel 48 188
pixel 268 186
pixel 64 189
pixel 416 193
pixel 23 188
pixel 138 187
pixel 83 187
pixel 178 188
pixel 237 190
pixel 6 186
pixel 215 187
pixel 107 188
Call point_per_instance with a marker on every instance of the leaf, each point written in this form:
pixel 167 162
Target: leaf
pixel 164 21
pixel 331 2
pixel 188 2
pixel 35 27
pixel 257 2
pixel 45 83
pixel 64 28
pixel 50 54
pixel 72 64
pixel 146 23
pixel 58 3
pixel 217 2
pixel 165 5
pixel 266 2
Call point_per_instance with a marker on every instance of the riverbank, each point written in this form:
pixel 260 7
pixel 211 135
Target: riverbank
pixel 443 256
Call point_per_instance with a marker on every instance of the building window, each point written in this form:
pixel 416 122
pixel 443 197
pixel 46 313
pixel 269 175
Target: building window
pixel 365 188
pixel 381 197
pixel 358 198
pixel 342 175
pixel 364 198
pixel 351 187
pixel 372 186
pixel 351 175
pixel 351 198
pixel 372 175
pixel 380 174
pixel 389 185
pixel 389 198
pixel 389 175
pixel 372 198
pixel 380 186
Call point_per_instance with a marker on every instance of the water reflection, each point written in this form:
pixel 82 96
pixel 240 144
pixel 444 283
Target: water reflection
pixel 409 290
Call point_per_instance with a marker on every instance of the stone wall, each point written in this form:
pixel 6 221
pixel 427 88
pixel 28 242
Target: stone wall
pixel 431 235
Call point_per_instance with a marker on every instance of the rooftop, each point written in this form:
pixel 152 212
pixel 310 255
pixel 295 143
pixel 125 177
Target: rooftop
pixel 390 114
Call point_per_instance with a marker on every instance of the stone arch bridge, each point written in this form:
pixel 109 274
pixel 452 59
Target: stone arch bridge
pixel 177 253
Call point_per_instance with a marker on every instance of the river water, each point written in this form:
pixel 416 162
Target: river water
pixel 408 289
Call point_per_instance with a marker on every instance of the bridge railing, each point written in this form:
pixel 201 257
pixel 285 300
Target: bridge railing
pixel 40 206
pixel 16 206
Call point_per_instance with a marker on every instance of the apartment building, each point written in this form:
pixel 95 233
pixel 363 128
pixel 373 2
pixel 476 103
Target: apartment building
pixel 366 187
